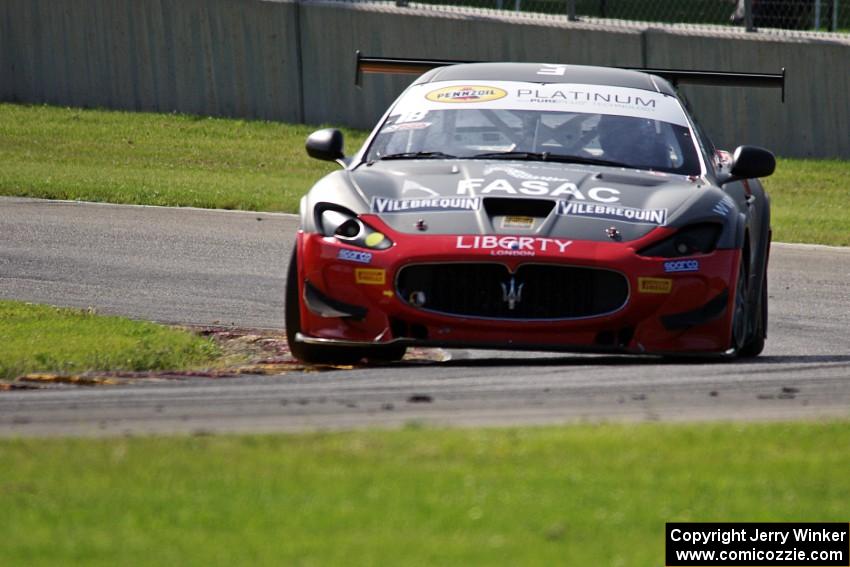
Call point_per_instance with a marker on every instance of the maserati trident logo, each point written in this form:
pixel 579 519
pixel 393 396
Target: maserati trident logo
pixel 511 293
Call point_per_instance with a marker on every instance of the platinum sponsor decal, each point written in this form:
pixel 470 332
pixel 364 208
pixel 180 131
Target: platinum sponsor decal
pixel 562 95
pixel 355 256
pixel 681 266
pixel 519 95
pixel 513 245
pixel 386 205
pixel 618 213
pixel 535 187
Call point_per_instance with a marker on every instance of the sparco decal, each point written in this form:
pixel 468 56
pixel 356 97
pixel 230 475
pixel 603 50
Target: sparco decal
pixel 681 266
pixel 466 93
pixel 623 214
pixel 536 187
pixel 355 256
pixel 512 245
pixel 385 205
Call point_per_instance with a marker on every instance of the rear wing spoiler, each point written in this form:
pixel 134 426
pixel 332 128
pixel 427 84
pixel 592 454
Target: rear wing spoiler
pixel 400 66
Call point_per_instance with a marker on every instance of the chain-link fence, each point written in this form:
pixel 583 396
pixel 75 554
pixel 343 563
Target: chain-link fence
pixel 812 15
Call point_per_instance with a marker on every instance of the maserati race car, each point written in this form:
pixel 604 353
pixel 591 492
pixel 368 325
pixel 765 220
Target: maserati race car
pixel 533 206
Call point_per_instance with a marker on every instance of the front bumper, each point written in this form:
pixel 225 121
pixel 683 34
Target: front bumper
pixel 667 311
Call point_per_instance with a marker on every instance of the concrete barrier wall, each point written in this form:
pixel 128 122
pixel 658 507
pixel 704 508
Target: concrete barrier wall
pixel 220 57
pixel 329 89
pixel 294 61
pixel 815 118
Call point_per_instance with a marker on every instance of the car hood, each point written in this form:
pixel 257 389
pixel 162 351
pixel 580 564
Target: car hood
pixel 521 197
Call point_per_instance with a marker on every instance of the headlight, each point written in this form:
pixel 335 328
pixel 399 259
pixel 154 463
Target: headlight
pixel 694 239
pixel 346 227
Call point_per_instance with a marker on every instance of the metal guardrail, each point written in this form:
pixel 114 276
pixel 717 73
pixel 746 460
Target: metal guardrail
pixel 810 15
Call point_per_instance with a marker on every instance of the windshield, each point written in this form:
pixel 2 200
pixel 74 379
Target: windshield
pixel 479 128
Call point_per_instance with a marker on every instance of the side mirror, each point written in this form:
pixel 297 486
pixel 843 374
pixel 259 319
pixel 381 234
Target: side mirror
pixel 326 144
pixel 750 162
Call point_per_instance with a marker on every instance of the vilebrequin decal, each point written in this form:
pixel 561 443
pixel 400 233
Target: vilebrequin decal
pixel 610 212
pixel 383 205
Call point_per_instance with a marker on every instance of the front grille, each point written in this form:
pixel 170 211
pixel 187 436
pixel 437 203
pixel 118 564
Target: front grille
pixel 540 291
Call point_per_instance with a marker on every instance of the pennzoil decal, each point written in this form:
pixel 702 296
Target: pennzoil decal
pixel 466 93
pixel 386 205
pixel 370 276
pixel 655 285
pixel 619 213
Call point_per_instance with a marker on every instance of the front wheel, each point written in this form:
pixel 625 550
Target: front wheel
pixel 749 323
pixel 755 345
pixel 325 354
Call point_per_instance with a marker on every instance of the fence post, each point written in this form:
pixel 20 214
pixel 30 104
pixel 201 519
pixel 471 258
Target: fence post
pixel 817 15
pixel 748 15
pixel 517 5
pixel 834 15
pixel 571 10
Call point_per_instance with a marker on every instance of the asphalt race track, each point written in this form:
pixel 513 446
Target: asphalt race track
pixel 218 267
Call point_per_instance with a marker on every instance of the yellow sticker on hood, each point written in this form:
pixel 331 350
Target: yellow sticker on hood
pixel 466 93
pixel 655 285
pixel 370 276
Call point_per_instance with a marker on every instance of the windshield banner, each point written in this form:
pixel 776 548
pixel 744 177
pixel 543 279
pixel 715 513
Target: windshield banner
pixel 556 97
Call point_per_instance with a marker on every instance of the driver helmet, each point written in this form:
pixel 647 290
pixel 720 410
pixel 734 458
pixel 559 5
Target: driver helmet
pixel 632 141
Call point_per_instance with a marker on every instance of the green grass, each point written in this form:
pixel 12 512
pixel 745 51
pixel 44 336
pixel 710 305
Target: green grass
pixel 175 160
pixel 811 201
pixel 583 495
pixel 155 159
pixel 41 338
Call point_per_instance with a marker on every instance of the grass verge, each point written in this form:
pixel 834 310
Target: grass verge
pixel 155 159
pixel 583 495
pixel 810 201
pixel 41 338
pixel 177 160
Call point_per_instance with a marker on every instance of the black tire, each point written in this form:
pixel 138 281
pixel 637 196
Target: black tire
pixel 311 354
pixel 326 354
pixel 749 323
pixel 755 345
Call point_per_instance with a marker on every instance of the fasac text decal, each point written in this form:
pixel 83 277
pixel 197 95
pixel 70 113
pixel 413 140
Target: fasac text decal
pixel 538 187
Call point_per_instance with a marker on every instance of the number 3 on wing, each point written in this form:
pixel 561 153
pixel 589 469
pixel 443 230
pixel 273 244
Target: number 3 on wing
pixel 552 70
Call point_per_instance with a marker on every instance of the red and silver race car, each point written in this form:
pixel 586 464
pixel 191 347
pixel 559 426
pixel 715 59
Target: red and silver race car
pixel 533 206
